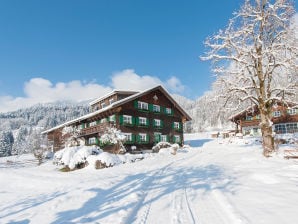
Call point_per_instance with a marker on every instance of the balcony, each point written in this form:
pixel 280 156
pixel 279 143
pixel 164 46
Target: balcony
pixel 99 128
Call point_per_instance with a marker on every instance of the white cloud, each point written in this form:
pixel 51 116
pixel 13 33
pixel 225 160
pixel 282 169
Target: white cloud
pixel 40 90
pixel 128 79
pixel 175 85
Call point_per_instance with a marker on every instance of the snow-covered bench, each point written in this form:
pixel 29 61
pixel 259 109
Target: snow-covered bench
pixel 291 154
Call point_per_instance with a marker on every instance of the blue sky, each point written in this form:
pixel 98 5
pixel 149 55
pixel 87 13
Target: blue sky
pixel 67 45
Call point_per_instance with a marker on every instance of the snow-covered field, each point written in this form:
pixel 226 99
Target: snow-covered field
pixel 212 182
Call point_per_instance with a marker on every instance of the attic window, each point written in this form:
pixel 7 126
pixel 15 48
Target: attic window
pixel 155 98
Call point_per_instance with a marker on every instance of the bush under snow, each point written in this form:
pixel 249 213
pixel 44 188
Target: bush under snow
pixel 75 156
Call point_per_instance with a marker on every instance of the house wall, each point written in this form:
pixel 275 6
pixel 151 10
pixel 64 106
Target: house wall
pixel 130 108
pixel 284 118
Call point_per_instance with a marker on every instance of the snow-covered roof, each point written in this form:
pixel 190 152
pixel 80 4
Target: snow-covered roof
pixel 120 102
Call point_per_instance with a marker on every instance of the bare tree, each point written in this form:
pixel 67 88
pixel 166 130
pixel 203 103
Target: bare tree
pixel 255 59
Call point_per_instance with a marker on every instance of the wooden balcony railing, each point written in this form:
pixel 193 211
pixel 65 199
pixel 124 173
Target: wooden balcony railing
pixel 100 128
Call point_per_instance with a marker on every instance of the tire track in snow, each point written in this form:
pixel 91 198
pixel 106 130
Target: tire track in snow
pixel 149 193
pixel 182 211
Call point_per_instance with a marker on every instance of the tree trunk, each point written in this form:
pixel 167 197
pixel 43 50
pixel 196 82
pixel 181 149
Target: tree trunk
pixel 267 134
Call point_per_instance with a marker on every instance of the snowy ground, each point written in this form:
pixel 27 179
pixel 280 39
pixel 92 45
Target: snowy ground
pixel 212 182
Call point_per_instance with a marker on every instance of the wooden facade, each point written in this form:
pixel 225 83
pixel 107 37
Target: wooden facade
pixel 284 119
pixel 145 118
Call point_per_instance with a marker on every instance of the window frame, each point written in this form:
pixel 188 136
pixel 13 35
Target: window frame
pixel 154 106
pixel 125 117
pixel 143 105
pixel 142 121
pixel 90 141
pixel 276 113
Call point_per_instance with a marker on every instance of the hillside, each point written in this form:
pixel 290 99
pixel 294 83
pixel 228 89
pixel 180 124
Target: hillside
pixel 19 128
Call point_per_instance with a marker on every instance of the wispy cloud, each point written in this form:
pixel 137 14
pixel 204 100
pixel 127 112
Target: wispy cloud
pixel 40 90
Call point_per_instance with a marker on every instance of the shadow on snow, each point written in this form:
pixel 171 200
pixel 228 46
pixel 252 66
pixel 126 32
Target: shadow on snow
pixel 166 181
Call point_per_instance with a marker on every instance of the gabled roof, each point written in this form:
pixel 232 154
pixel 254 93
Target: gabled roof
pixel 121 102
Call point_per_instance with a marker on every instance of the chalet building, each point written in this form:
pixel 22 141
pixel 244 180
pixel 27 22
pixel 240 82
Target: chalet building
pixel 284 119
pixel 145 118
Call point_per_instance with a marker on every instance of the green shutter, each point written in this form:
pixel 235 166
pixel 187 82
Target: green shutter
pixel 83 126
pixel 173 126
pixel 135 104
pixel 133 138
pixel 156 138
pixel 161 123
pixel 121 119
pixel 133 120
pixel 96 141
pixel 172 111
pixel 150 106
pixel 168 138
pixel 147 121
pixel 147 138
pixel 137 120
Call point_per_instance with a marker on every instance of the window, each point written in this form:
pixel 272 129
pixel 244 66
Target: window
pixel 258 117
pixel 143 121
pixel 157 123
pixel 292 111
pixel 248 118
pixel 112 118
pixel 93 123
pixel 276 113
pixel 156 108
pixel 168 110
pixel 142 105
pixel 164 138
pixel 286 128
pixel 177 139
pixel 104 120
pixel 111 100
pixel 176 125
pixel 128 137
pixel 103 105
pixel 143 138
pixel 92 141
pixel 127 119
pixel 292 127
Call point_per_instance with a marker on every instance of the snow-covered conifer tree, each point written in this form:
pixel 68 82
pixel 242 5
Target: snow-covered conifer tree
pixel 6 142
pixel 255 59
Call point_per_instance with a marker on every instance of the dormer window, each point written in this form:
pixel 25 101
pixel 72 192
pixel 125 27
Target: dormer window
pixel 103 105
pixel 111 100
